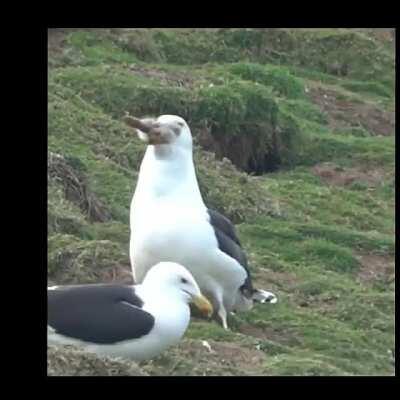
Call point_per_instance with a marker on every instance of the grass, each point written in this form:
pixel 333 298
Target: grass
pixel 310 241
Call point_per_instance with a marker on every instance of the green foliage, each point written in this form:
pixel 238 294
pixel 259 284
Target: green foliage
pixel 92 49
pixel 330 255
pixel 346 149
pixel 279 78
pixel 368 241
pixel 303 109
pixel 326 250
pixel 369 87
pixel 71 260
pixel 62 215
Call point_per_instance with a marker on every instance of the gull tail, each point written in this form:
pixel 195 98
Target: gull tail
pixel 262 296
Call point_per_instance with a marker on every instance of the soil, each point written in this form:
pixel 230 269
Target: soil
pixel 375 268
pixel 344 113
pixel 334 175
pixel 221 358
pixel 168 78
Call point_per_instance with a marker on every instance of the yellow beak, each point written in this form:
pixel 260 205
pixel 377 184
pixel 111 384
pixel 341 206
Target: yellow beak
pixel 203 305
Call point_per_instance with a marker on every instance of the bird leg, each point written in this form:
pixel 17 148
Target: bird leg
pixel 223 316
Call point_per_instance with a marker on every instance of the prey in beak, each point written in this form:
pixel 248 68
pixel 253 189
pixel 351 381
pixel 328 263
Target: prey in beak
pixel 148 130
pixel 203 305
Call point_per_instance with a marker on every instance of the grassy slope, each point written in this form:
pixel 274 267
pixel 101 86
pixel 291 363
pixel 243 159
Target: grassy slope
pixel 325 245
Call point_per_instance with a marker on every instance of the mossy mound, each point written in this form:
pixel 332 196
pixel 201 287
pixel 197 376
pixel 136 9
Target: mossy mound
pixel 234 193
pixel 73 361
pixel 238 119
pixel 62 215
pixel 71 260
pixel 61 172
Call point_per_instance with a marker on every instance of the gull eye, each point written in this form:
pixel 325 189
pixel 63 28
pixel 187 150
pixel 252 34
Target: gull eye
pixel 183 280
pixel 180 124
pixel 176 130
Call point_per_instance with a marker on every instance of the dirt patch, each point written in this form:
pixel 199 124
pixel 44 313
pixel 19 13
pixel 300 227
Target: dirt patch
pixel 73 361
pixel 334 175
pixel 286 338
pixel 375 268
pixel 381 34
pixel 167 78
pixel 343 113
pixel 55 41
pixel 266 279
pixel 191 357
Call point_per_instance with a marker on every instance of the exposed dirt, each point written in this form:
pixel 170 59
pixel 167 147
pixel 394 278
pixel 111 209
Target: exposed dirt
pixel 73 361
pixel 344 113
pixel 270 334
pixel 55 41
pixel 339 176
pixel 221 358
pixel 375 268
pixel 381 34
pixel 266 277
pixel 168 78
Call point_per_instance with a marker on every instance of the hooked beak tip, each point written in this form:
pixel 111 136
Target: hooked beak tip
pixel 203 305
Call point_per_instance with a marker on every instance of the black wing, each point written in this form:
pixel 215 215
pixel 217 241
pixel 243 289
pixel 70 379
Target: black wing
pixel 222 223
pixel 229 243
pixel 98 313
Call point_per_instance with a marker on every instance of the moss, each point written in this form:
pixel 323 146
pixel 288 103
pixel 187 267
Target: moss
pixel 141 43
pixel 223 106
pixel 279 78
pixel 211 330
pixel 181 48
pixel 356 131
pixel 369 241
pixel 114 231
pixel 346 149
pixel 73 361
pixel 71 260
pixel 303 109
pixel 92 48
pixel 374 88
pixel 330 255
pixel 284 365
pixel 62 215
pixel 231 192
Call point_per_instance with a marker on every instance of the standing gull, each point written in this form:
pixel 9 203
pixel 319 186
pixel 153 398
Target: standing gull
pixel 170 222
pixel 137 322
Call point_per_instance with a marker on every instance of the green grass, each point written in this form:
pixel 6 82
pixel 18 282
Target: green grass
pixel 308 241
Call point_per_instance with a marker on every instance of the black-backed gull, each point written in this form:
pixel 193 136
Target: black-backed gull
pixel 137 322
pixel 170 222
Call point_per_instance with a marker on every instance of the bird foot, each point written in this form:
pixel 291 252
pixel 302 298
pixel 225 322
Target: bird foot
pixel 263 296
pixel 207 346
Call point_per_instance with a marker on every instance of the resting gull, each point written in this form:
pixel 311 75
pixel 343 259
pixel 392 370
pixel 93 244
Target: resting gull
pixel 136 322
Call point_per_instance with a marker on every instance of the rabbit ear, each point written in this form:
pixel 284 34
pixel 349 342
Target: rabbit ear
pixel 145 125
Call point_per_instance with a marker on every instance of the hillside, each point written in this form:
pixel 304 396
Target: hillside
pixel 294 133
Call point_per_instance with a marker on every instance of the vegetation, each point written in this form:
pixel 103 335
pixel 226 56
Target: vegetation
pixel 279 149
